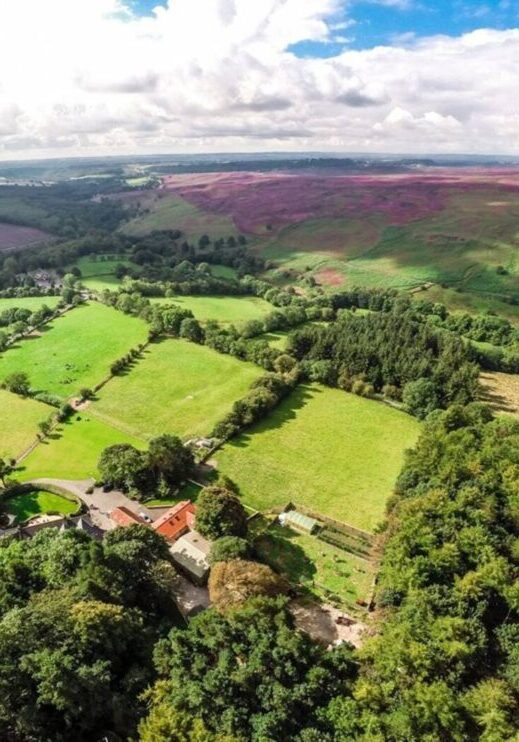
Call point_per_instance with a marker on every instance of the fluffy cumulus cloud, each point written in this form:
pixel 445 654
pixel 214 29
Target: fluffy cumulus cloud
pixel 89 77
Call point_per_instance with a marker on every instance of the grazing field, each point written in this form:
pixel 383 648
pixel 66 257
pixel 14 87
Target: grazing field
pixel 333 452
pixel 39 502
pixel 74 350
pixel 225 309
pixel 320 567
pixel 30 302
pixel 171 211
pixel 14 237
pixel 177 387
pixel 73 449
pixel 100 265
pixel 100 283
pixel 19 420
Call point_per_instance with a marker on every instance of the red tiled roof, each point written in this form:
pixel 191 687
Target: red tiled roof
pixel 176 521
pixel 124 517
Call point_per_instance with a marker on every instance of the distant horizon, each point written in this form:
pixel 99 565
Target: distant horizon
pixel 273 154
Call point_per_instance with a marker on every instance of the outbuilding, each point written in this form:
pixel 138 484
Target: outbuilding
pixel 299 522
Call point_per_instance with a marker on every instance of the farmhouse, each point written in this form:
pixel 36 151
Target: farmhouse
pixel 177 521
pixel 122 516
pixel 190 552
pixel 298 522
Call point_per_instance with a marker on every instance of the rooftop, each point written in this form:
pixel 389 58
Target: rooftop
pixel 176 520
pixel 125 517
pixel 191 552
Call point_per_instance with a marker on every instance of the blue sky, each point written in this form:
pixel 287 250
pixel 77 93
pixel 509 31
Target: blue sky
pixel 369 23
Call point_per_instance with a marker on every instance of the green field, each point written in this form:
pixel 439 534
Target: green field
pixel 320 567
pixel 189 492
pixel 169 211
pixel 225 309
pixel 100 283
pixel 332 452
pixel 73 449
pixel 39 502
pixel 177 387
pixel 100 265
pixel 19 420
pixel 224 271
pixel 74 350
pixel 30 302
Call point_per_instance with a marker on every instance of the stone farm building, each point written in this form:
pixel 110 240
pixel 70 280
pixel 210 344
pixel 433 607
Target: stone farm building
pixel 189 550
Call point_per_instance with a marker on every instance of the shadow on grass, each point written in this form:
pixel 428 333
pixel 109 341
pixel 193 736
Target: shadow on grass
pixel 281 415
pixel 495 400
pixel 277 548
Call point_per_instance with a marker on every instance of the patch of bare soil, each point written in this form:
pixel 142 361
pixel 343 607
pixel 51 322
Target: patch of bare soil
pixel 78 405
pixel 500 391
pixel 326 624
pixel 329 277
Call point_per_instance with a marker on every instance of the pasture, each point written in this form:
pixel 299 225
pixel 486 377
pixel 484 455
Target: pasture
pixel 74 350
pixel 177 387
pixel 19 420
pixel 316 565
pixel 329 451
pixel 99 265
pixel 100 283
pixel 30 302
pixel 39 502
pixel 72 450
pixel 171 211
pixel 225 309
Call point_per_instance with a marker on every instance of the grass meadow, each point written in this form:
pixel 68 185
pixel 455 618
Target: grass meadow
pixel 332 452
pixel 100 283
pixel 320 567
pixel 74 350
pixel 30 302
pixel 99 265
pixel 19 420
pixel 177 387
pixel 39 502
pixel 225 309
pixel 73 449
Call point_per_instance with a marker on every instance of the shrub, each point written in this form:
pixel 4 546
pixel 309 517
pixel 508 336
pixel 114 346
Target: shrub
pixel 227 548
pixel 220 513
pixel 232 583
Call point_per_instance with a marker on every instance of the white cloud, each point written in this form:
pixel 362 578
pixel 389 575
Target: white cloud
pixel 87 77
